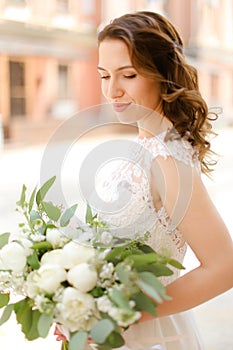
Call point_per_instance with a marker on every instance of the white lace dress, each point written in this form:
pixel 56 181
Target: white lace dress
pixel 129 208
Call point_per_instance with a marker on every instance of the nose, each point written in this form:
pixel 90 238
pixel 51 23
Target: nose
pixel 114 89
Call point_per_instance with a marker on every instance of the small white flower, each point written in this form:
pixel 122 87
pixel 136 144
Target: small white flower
pixel 37 237
pixel 27 245
pixel 54 237
pixel 107 271
pixel 13 257
pixel 104 304
pixel 74 253
pixel 106 238
pixel 82 277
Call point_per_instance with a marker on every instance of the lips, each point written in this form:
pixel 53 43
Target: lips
pixel 120 107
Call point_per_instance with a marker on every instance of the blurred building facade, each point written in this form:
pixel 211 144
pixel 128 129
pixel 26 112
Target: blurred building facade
pixel 48 55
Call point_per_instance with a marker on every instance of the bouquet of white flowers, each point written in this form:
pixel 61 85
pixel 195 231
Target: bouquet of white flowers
pixel 93 285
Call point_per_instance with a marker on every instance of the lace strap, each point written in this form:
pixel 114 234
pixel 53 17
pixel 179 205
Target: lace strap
pixel 179 149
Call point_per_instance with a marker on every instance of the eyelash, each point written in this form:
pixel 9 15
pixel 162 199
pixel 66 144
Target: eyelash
pixel 125 76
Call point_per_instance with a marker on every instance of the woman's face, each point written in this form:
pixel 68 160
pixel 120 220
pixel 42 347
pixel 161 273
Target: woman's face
pixel 122 85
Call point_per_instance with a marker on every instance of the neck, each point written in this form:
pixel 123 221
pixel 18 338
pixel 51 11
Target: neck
pixel 153 125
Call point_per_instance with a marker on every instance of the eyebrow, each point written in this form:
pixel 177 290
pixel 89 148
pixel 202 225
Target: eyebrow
pixel 118 69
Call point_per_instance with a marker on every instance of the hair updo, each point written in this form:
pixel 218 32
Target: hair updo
pixel 156 51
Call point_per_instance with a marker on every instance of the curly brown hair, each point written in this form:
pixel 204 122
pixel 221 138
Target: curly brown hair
pixel 156 51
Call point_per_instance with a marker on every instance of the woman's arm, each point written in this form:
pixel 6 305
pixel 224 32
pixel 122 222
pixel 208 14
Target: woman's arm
pixel 186 200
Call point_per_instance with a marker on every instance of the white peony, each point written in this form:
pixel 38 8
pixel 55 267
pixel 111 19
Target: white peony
pixel 53 257
pixel 74 254
pixel 77 310
pixel 82 277
pixel 13 257
pixel 54 237
pixel 50 277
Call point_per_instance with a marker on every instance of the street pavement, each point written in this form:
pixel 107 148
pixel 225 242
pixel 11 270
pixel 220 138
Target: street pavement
pixel 22 165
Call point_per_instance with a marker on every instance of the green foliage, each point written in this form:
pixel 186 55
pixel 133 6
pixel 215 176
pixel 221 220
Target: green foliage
pixel 78 341
pixel 33 261
pixel 6 313
pixel 44 323
pixel 21 201
pixel 4 300
pixel 28 318
pixel 120 300
pixel 4 239
pixel 32 199
pixel 40 195
pixel 152 286
pixel 51 210
pixel 101 330
pixel 67 215
pixel 143 303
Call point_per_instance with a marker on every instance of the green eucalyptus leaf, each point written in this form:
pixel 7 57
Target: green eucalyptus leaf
pixel 176 264
pixel 115 340
pixel 51 210
pixel 44 324
pixel 143 259
pixel 78 341
pixel 33 333
pixel 4 239
pixel 101 330
pixel 157 269
pixel 146 248
pixel 89 215
pixel 6 314
pixel 152 286
pixel 28 318
pixel 40 195
pixel 42 245
pixel 32 198
pixel 21 202
pixel 119 299
pixel 105 346
pixel 143 303
pixel 33 261
pixel 23 312
pixel 4 299
pixel 67 215
pixel 114 253
pixel 122 273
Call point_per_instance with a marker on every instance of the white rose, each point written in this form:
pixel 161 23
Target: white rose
pixel 54 237
pixel 13 257
pixel 50 277
pixel 82 277
pixel 74 254
pixel 53 257
pixel 77 310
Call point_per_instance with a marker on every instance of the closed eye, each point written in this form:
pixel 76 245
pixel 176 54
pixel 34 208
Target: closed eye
pixel 105 77
pixel 131 76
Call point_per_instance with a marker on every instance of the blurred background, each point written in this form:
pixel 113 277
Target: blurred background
pixel 48 60
pixel 48 57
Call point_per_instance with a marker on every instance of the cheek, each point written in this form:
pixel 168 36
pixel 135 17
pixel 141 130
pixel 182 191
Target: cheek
pixel 104 88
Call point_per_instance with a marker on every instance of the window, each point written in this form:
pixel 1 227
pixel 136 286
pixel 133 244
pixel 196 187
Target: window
pixel 62 5
pixel 63 82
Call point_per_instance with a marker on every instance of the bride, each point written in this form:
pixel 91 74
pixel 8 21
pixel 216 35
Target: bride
pixel 145 78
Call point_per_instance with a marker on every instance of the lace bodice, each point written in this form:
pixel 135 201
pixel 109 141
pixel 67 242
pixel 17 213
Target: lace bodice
pixel 125 190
